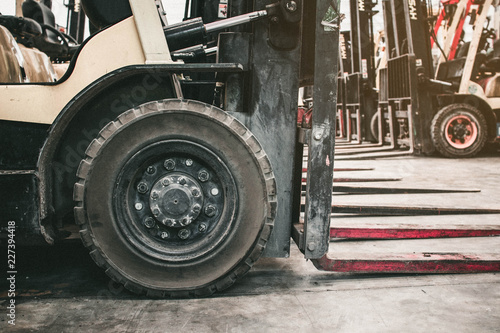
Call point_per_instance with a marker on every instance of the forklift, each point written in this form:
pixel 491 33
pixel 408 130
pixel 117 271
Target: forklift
pixel 358 119
pixel 449 106
pixel 170 145
pixel 360 95
pixel 469 105
pixel 444 110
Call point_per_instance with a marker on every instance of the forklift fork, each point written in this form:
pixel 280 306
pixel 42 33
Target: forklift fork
pixel 411 263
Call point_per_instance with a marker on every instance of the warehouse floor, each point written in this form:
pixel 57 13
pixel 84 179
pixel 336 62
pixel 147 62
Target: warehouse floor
pixel 61 290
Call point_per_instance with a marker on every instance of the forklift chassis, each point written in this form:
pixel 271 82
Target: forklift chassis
pixel 172 195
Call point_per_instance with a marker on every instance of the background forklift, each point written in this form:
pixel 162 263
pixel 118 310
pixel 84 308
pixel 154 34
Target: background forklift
pixel 469 114
pixel 359 75
pixel 425 106
pixel 178 173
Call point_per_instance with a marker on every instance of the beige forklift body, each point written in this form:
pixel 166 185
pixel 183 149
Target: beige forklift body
pixel 111 49
pixel 136 40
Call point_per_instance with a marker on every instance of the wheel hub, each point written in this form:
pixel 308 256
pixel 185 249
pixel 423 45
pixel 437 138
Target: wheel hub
pixel 461 131
pixel 178 195
pixel 176 200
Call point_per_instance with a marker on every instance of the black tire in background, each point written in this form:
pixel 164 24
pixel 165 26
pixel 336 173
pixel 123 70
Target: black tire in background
pixel 374 126
pixel 459 130
pixel 175 198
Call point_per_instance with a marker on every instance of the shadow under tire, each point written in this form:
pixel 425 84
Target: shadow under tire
pixel 459 130
pixel 175 198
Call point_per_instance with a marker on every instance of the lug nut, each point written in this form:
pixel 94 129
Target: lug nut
pixel 189 162
pixel 202 227
pixel 181 180
pixel 154 195
pixel 195 192
pixel 149 222
pixel 165 182
pixel 203 175
pixel 210 210
pixel 184 221
pixel 184 233
pixel 138 206
pixel 142 187
pixel 156 212
pixel 291 6
pixel 169 164
pixel 196 209
pixel 164 235
pixel 151 169
pixel 169 222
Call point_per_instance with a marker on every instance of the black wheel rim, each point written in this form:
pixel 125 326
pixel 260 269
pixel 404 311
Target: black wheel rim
pixel 175 201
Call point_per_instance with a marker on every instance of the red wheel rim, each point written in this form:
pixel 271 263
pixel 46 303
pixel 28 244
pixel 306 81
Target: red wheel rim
pixel 460 131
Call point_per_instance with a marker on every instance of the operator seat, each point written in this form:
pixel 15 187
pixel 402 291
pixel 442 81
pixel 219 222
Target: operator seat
pixel 105 13
pixel 42 13
pixel 38 29
pixel 493 62
pixel 10 70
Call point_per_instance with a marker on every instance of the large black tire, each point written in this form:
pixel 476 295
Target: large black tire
pixel 459 130
pixel 175 198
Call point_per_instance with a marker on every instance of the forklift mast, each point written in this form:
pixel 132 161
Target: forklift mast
pixel 453 14
pixel 75 23
pixel 468 67
pixel 409 64
pixel 360 83
pixel 357 94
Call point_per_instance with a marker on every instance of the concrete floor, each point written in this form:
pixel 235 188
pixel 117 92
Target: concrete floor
pixel 61 290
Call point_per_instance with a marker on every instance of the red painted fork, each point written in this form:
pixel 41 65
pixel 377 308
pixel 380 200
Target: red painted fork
pixel 412 232
pixel 414 262
pixel 345 169
pixel 411 263
pixel 423 263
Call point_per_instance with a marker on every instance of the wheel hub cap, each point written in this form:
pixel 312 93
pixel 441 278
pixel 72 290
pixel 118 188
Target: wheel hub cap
pixel 176 200
pixel 460 131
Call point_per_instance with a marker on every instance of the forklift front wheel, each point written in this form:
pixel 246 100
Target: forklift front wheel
pixel 459 130
pixel 175 198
